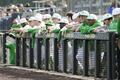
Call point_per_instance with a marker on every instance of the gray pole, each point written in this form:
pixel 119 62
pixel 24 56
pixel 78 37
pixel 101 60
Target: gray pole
pixel 100 6
pixel 116 3
pixel 70 4
pixel 90 4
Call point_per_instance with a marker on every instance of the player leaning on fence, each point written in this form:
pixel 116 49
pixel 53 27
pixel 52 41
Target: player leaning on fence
pixel 90 25
pixel 17 24
pixel 82 21
pixel 55 28
pixel 115 25
pixel 107 19
pixel 116 17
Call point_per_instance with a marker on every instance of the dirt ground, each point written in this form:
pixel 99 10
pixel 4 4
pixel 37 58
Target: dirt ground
pixel 14 74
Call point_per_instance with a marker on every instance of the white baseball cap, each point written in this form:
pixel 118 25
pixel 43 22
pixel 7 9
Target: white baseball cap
pixel 75 15
pixel 38 17
pixel 92 16
pixel 84 13
pixel 23 20
pixel 107 16
pixel 31 18
pixel 64 20
pixel 116 11
pixel 56 15
pixel 46 16
pixel 17 21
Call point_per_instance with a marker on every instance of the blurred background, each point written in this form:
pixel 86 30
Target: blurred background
pixel 94 6
pixel 10 9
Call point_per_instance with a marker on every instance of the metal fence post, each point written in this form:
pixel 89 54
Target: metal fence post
pixel 111 57
pixel 4 48
pixel 56 63
pixel 118 61
pixel 118 56
pixel 64 44
pixel 85 58
pixel 17 51
pixel 47 46
pixel 31 56
pixel 97 58
pixel 39 46
pixel 24 45
pixel 114 55
pixel 75 63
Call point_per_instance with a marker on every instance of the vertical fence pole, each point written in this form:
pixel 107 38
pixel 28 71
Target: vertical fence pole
pixel 118 56
pixel 47 54
pixel 64 55
pixel 114 56
pixel 97 58
pixel 4 48
pixel 31 56
pixel 39 46
pixel 109 74
pixel 17 51
pixel 111 57
pixel 86 57
pixel 118 61
pixel 56 55
pixel 75 48
pixel 24 52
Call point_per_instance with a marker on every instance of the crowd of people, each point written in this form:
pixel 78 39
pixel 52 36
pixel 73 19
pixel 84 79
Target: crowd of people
pixel 9 13
pixel 83 22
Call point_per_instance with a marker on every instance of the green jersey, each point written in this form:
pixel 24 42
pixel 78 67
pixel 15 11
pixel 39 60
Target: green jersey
pixel 86 29
pixel 113 26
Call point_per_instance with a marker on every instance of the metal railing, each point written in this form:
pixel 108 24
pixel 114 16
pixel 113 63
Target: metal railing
pixel 106 67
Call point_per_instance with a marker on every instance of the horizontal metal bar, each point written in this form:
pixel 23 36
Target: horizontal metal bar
pixel 75 35
pixel 97 36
